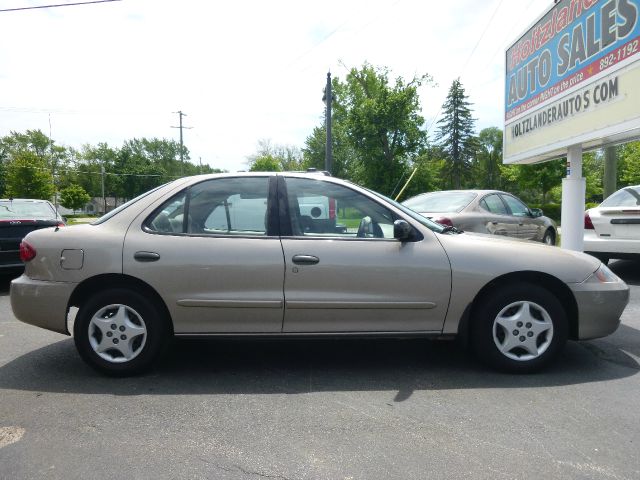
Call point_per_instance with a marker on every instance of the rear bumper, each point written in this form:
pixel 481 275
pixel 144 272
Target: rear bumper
pixel 40 303
pixel 597 244
pixel 599 307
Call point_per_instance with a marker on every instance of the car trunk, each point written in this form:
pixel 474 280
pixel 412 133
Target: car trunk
pixel 11 234
pixel 618 222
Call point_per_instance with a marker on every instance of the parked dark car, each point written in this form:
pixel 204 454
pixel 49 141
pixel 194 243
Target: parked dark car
pixel 17 218
pixel 485 211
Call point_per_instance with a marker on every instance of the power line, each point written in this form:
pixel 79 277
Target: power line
pixel 56 5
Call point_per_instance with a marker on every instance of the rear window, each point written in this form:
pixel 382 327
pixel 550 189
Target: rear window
pixel 17 209
pixel 627 197
pixel 440 201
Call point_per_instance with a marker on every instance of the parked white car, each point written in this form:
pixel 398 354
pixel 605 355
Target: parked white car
pixel 612 230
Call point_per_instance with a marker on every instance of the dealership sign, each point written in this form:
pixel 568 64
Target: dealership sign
pixel 573 78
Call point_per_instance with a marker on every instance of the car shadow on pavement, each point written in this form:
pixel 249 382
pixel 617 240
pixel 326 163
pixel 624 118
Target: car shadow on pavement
pixel 627 270
pixel 297 367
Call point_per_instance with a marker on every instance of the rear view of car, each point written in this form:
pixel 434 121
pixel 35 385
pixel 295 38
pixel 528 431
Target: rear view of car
pixel 19 217
pixel 612 230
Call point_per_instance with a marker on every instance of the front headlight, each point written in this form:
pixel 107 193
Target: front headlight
pixel 603 275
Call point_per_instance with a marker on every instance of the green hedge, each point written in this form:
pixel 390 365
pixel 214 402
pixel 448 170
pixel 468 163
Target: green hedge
pixel 551 210
pixel 554 210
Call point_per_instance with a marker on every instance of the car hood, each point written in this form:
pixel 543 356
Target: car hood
pixel 489 254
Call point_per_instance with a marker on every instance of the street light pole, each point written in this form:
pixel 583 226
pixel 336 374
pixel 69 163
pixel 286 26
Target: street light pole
pixel 328 99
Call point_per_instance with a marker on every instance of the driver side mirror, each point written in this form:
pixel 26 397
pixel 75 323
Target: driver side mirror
pixel 402 230
pixel 536 212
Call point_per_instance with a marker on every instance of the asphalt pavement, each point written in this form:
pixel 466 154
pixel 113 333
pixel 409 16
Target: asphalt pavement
pixel 379 409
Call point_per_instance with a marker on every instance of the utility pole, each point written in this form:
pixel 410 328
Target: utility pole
pixel 610 171
pixel 104 199
pixel 181 127
pixel 327 99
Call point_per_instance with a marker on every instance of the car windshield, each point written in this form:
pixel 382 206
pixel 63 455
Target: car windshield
pixel 25 209
pixel 627 197
pixel 431 225
pixel 440 201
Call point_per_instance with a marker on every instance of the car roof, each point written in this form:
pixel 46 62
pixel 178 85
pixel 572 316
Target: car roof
pixel 32 200
pixel 477 192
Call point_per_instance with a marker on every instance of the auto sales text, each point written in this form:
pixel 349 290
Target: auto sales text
pixel 566 108
pixel 532 67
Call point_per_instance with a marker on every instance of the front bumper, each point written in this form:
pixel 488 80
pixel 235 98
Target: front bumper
pixel 41 303
pixel 599 307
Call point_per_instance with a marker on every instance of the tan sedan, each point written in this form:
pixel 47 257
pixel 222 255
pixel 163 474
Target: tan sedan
pixel 236 255
pixel 486 211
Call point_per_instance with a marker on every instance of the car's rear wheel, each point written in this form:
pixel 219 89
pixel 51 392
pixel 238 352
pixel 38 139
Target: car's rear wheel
pixel 519 328
pixel 120 332
pixel 549 237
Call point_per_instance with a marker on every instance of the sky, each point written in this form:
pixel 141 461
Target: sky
pixel 242 71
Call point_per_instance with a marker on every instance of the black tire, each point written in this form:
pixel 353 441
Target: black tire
pixel 549 237
pixel 487 332
pixel 141 313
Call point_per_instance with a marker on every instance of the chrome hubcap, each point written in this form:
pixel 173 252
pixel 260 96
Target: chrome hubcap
pixel 522 331
pixel 117 333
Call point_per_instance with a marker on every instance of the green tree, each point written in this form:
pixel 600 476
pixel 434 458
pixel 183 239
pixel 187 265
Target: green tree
pixel 74 197
pixel 629 164
pixel 381 120
pixel 344 155
pixel 489 157
pixel 288 158
pixel 28 176
pixel 266 163
pixel 455 134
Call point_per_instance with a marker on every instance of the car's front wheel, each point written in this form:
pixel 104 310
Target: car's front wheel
pixel 520 328
pixel 120 332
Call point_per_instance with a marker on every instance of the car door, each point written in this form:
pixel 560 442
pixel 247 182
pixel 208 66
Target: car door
pixel 351 274
pixel 528 226
pixel 214 256
pixel 498 219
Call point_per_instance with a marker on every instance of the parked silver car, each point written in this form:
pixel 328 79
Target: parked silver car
pixel 235 255
pixel 486 211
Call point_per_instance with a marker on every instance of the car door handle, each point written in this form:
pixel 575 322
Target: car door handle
pixel 495 223
pixel 146 256
pixel 305 259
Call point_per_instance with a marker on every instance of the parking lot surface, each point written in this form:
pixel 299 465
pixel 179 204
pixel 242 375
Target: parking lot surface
pixel 376 409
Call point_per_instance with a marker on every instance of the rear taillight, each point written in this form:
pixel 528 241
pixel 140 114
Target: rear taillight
pixel 27 252
pixel 588 224
pixel 332 208
pixel 443 221
pixel 61 224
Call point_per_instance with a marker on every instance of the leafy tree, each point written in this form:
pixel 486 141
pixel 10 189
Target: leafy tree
pixel 344 155
pixel 428 174
pixel 266 163
pixel 28 176
pixel 534 183
pixel 489 157
pixel 382 122
pixel 629 164
pixel 455 134
pixel 74 197
pixel 287 157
